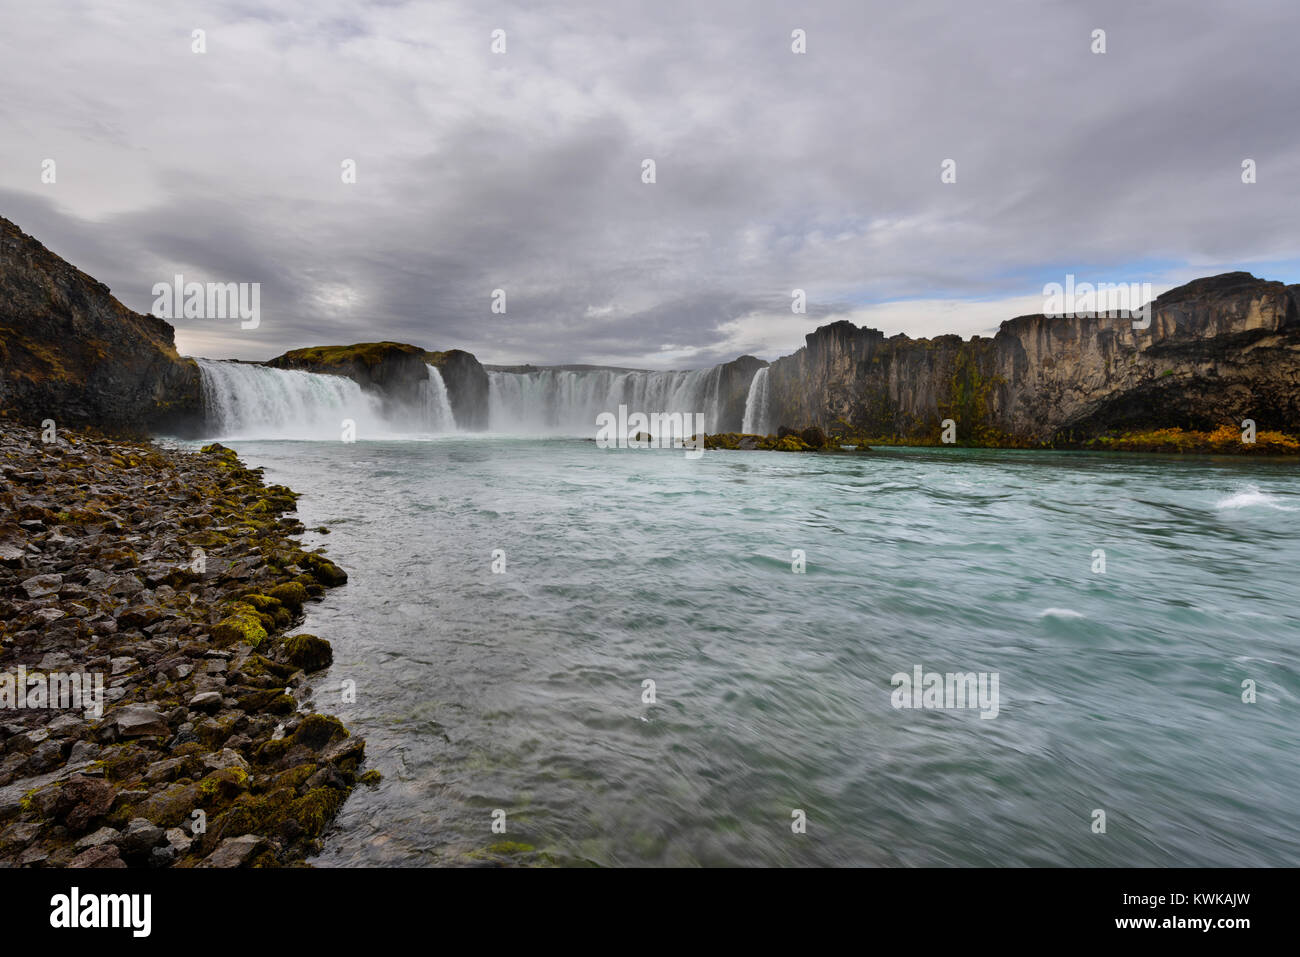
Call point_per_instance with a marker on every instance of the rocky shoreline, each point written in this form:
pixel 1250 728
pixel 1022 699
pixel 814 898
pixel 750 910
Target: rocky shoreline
pixel 1226 440
pixel 171 580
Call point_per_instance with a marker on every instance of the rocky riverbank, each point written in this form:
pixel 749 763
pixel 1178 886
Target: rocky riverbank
pixel 170 580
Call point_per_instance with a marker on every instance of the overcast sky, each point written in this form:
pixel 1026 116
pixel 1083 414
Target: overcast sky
pixel 523 170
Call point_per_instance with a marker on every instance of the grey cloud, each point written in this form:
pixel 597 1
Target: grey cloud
pixel 775 171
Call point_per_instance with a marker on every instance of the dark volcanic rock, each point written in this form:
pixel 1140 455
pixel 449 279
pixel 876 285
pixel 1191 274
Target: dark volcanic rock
pixel 467 387
pixel 734 380
pixel 71 352
pixel 82 800
pixel 134 721
pixel 103 855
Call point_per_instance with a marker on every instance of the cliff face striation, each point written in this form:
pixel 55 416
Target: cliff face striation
pixel 396 371
pixel 71 352
pixel 1218 350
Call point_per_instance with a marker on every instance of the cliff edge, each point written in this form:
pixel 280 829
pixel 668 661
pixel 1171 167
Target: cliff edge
pixel 1217 350
pixel 69 351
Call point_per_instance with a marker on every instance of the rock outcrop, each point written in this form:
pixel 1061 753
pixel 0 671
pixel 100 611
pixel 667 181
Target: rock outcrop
pixel 392 368
pixel 467 386
pixel 1218 350
pixel 396 372
pixel 734 379
pixel 69 351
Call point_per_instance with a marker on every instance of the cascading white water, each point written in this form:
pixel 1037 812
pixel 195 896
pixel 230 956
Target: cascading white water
pixel 438 416
pixel 567 402
pixel 248 401
pixel 756 405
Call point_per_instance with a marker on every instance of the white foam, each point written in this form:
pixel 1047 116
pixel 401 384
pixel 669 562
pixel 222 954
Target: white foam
pixel 1061 613
pixel 1251 497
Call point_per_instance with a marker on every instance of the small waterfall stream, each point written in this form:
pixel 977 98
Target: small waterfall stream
pixel 438 416
pixel 757 405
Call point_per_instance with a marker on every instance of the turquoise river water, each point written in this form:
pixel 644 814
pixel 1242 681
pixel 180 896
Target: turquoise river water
pixel 521 690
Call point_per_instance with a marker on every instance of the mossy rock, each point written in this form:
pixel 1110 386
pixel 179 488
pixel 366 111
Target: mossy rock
pixel 125 766
pixel 308 652
pixel 213 733
pixel 181 577
pixel 222 786
pixel 260 602
pixel 290 594
pixel 723 440
pixel 209 539
pixel 318 731
pixel 316 808
pixel 273 614
pixel 217 449
pixel 294 778
pixel 256 665
pixel 243 624
pixel 1224 440
pixel 247 815
pixel 170 807
pixel 324 570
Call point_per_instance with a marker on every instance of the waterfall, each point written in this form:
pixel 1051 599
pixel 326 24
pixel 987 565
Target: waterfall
pixel 249 401
pixel 566 402
pixel 438 416
pixel 757 405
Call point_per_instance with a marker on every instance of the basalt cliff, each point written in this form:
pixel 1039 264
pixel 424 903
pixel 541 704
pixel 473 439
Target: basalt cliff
pixel 1217 351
